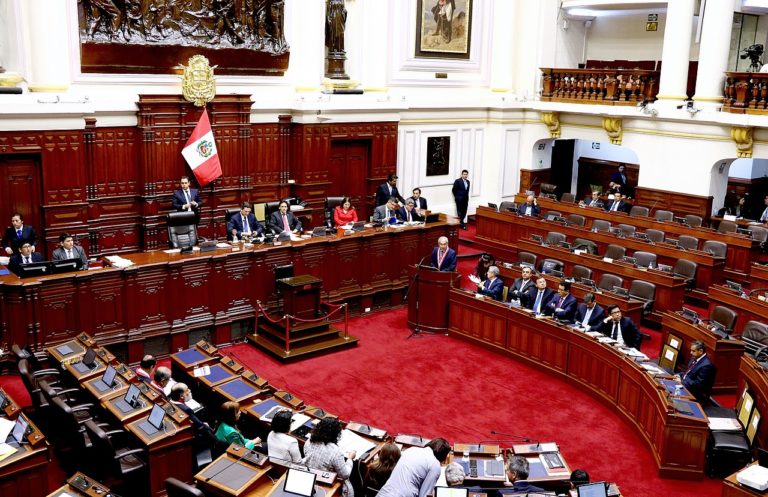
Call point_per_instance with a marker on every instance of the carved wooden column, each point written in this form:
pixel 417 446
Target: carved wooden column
pixel 335 26
pixel 284 126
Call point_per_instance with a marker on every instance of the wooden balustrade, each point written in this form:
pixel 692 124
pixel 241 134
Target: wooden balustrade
pixel 599 86
pixel 746 93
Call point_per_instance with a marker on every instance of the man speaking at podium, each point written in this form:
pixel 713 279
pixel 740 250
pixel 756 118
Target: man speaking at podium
pixel 443 257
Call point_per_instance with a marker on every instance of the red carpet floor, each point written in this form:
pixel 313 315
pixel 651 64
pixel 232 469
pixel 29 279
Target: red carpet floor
pixel 440 386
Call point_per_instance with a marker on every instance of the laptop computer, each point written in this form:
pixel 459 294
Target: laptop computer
pixel 320 231
pixel 299 482
pixel 32 269
pixel 451 492
pixel 107 380
pixel 358 226
pixel 66 265
pixel 154 422
pixel 87 363
pixel 130 401
pixel 596 489
pixel 20 428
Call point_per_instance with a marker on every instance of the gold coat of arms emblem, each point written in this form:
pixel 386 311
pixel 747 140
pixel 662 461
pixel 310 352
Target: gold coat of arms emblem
pixel 197 83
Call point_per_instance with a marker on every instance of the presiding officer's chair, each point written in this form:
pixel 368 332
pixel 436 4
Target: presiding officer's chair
pixel 182 229
pixel 269 208
pixel 330 204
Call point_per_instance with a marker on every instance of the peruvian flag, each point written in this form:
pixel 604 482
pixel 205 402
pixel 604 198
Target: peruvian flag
pixel 200 152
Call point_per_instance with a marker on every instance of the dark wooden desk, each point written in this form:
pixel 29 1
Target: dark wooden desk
pixel 169 452
pixel 24 473
pixel 677 441
pixel 630 308
pixel 758 276
pixel 502 230
pixel 669 289
pixel 154 305
pixel 755 378
pixel 741 248
pixel 746 308
pixel 724 354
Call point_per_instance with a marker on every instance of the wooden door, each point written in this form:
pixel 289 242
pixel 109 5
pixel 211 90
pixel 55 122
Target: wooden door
pixel 348 170
pixel 20 192
pixel 562 165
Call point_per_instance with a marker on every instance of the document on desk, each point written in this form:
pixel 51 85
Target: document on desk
pixel 352 441
pixel 6 451
pixel 724 424
pixel 201 371
pixel 297 420
pixel 6 425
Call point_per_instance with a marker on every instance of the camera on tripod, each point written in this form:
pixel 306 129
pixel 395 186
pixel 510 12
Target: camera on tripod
pixel 754 53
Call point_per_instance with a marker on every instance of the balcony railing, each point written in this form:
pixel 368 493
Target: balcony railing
pixel 746 93
pixel 599 86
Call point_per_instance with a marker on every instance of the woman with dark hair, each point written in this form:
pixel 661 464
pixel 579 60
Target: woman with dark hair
pixel 281 445
pixel 227 431
pixel 378 472
pixel 481 270
pixel 323 453
pixel 344 213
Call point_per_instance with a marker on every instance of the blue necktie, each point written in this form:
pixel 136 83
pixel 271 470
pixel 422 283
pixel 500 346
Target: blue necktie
pixel 537 304
pixel 18 233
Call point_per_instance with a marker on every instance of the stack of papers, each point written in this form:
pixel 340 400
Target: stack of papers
pixel 352 441
pixel 6 451
pixel 652 368
pixel 724 424
pixel 119 262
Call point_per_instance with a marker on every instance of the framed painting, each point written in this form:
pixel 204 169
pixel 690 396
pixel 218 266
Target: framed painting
pixel 438 155
pixel 443 29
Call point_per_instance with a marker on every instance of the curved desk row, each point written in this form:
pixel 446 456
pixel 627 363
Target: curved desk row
pixel 500 230
pixel 747 308
pixel 741 248
pixel 676 440
pixel 154 305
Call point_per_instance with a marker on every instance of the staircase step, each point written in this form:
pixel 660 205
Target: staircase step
pixel 328 345
pixel 279 335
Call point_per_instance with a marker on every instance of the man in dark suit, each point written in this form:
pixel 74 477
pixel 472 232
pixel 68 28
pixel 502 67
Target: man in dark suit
pixel 69 250
pixel 563 305
pixel 539 296
pixel 460 192
pixel 621 328
pixel 492 286
pixel 25 256
pixel 699 376
pixel 517 473
pixel 186 198
pixel 179 395
pixel 18 234
pixel 388 190
pixel 530 207
pixel 244 223
pixel 589 315
pixel 593 201
pixel 421 202
pixel 284 220
pixel 617 204
pixel 521 286
pixel 408 213
pixel 618 177
pixel 443 257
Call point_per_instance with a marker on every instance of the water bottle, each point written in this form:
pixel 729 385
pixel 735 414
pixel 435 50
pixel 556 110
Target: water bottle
pixel 678 390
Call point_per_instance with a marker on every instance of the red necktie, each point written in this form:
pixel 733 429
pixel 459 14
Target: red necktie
pixel 286 226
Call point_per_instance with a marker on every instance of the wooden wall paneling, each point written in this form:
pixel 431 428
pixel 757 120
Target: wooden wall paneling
pixel 598 172
pixel 265 272
pixel 586 365
pixel 102 294
pixel 20 316
pixel 679 203
pixel 147 291
pixel 752 375
pixel 230 293
pixel 347 280
pixel 56 304
pixel 531 179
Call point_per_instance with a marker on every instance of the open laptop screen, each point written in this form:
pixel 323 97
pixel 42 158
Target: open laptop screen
pixel 132 395
pixel 19 429
pixel 299 482
pixel 592 490
pixel 89 359
pixel 109 376
pixel 156 417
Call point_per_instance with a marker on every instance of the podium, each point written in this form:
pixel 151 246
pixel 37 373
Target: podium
pixel 428 298
pixel 301 295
